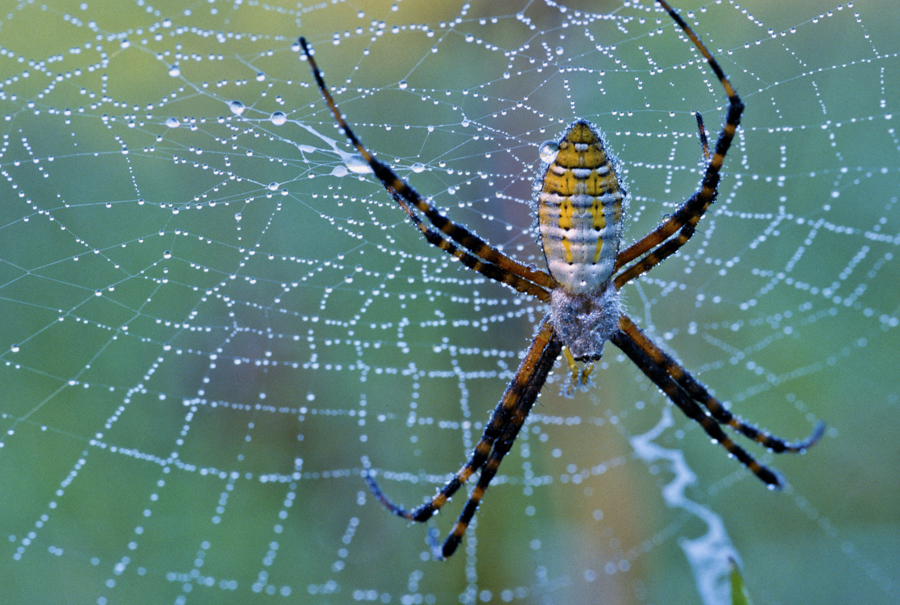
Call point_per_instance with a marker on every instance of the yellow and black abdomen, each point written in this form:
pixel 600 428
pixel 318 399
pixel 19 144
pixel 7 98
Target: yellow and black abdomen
pixel 580 210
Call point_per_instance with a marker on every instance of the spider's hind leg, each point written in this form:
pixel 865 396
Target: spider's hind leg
pixel 698 405
pixel 715 408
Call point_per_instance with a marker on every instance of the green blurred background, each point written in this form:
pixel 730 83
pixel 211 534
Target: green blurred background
pixel 207 327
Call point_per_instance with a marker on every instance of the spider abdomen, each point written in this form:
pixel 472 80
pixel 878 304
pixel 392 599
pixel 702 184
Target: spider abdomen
pixel 580 209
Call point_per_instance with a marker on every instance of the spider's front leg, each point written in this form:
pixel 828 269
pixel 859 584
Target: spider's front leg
pixel 476 253
pixel 683 222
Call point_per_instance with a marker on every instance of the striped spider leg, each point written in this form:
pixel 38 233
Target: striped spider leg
pixel 580 215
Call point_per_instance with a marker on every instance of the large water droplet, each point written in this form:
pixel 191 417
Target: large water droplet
pixel 418 167
pixel 548 151
pixel 173 122
pixel 358 164
pixel 236 107
pixel 278 118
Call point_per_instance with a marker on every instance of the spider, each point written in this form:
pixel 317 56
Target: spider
pixel 580 219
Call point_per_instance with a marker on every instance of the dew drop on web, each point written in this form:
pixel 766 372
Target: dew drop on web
pixel 548 151
pixel 358 164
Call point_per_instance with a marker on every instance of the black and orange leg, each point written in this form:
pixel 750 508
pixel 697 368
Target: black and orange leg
pixel 530 385
pixel 686 404
pixel 532 369
pixel 685 219
pixel 473 262
pixel 401 190
pixel 716 408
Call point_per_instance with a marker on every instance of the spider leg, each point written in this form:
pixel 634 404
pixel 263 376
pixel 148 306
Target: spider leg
pixel 645 355
pixel 685 219
pixel 704 142
pixel 529 385
pixel 530 376
pixel 473 262
pixel 716 408
pixel 655 257
pixel 401 190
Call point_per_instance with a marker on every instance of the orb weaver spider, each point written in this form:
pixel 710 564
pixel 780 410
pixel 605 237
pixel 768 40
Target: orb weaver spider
pixel 580 217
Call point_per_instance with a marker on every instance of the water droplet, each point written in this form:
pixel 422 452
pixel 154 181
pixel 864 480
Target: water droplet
pixel 167 254
pixel 236 107
pixel 357 164
pixel 173 122
pixel 278 118
pixel 175 71
pixel 403 84
pixel 559 50
pixel 237 216
pixel 260 76
pixel 548 151
pixel 124 44
pixel 14 348
pixel 506 75
pixel 418 167
pixel 273 186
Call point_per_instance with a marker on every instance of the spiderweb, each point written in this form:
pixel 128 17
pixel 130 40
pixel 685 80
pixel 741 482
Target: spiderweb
pixel 212 315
